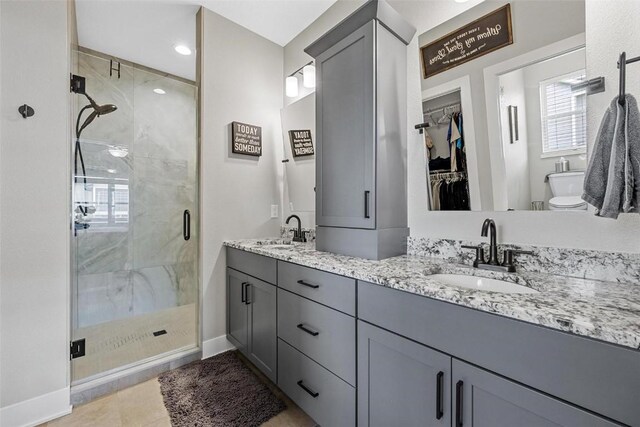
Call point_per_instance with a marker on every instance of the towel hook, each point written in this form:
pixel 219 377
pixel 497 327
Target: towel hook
pixel 26 111
pixel 622 66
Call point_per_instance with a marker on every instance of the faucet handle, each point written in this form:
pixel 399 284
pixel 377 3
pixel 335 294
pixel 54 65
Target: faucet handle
pixel 479 254
pixel 508 257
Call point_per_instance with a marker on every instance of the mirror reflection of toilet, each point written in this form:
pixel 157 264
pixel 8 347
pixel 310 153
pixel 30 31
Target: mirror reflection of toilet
pixel 567 189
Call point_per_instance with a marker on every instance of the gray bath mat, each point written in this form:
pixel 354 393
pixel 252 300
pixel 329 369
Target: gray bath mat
pixel 218 391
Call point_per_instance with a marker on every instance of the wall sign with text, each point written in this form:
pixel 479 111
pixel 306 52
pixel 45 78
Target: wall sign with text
pixel 246 139
pixel 482 36
pixel 301 143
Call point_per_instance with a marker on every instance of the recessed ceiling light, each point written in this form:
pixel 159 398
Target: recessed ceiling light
pixel 112 170
pixel 159 91
pixel 461 1
pixel 182 49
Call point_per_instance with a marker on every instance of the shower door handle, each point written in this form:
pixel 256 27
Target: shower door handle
pixel 186 224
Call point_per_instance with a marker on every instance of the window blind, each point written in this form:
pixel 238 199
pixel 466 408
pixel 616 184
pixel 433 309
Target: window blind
pixel 564 113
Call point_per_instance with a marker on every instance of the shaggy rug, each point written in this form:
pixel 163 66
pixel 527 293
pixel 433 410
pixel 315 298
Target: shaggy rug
pixel 218 391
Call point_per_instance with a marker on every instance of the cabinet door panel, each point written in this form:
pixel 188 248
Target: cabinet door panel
pixel 262 330
pixel 237 321
pixel 346 136
pixel 399 381
pixel 488 400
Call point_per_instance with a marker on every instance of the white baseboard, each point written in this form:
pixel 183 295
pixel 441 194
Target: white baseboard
pixel 215 346
pixel 38 410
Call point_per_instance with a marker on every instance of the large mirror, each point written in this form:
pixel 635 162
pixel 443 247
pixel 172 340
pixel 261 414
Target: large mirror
pixel 298 135
pixel 504 107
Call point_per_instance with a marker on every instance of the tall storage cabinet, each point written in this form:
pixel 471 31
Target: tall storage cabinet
pixel 361 175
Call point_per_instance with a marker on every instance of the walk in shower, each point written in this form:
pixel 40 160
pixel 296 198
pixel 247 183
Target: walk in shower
pixel 135 236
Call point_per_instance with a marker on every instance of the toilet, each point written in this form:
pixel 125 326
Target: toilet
pixel 567 189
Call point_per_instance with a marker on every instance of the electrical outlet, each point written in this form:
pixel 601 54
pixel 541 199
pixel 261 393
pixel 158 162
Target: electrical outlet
pixel 291 206
pixel 274 211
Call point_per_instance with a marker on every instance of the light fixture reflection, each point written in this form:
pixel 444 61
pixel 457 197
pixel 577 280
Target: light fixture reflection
pixel 291 86
pixel 119 152
pixel 309 76
pixel 182 49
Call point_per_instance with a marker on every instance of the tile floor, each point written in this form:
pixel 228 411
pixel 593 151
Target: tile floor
pixel 142 406
pixel 121 342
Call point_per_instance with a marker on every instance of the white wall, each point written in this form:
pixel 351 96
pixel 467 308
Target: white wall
pixel 241 80
pixel 34 211
pixel 612 27
pixel 516 155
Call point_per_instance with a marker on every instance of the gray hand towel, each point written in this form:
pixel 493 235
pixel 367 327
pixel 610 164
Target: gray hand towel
pixel 610 179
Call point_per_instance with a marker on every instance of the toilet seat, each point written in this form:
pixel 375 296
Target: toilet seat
pixel 567 203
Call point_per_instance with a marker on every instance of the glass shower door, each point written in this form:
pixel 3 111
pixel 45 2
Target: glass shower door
pixel 135 242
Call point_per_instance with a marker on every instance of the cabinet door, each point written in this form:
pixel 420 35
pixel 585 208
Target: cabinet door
pixel 483 399
pixel 345 126
pixel 400 382
pixel 262 328
pixel 237 312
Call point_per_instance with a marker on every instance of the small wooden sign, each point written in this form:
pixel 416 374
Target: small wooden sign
pixel 484 35
pixel 246 139
pixel 301 143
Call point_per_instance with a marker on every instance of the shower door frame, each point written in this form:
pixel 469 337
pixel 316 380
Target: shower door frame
pixel 149 362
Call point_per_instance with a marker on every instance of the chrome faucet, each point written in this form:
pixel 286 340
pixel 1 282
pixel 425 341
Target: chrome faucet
pixel 507 265
pixel 298 235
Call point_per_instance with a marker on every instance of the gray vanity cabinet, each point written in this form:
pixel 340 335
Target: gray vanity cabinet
pixel 361 185
pixel 251 320
pixel 345 164
pixel 237 318
pixel 263 345
pixel 482 399
pixel 251 309
pixel 401 382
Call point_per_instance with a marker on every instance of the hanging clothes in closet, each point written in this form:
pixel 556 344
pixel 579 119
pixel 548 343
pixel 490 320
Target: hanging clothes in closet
pixel 455 138
pixel 450 191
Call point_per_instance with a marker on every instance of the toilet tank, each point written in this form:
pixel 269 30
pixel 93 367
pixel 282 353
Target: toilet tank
pixel 566 183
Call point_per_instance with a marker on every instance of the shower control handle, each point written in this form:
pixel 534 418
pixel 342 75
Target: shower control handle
pixel 186 224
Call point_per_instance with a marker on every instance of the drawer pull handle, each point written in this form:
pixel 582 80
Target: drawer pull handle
pixel 247 301
pixel 439 403
pixel 243 295
pixel 308 390
pixel 459 390
pixel 307 330
pixel 309 285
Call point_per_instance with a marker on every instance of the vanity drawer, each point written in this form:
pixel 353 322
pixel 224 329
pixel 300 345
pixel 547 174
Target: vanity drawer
pixel 326 288
pixel 258 266
pixel 325 335
pixel 326 398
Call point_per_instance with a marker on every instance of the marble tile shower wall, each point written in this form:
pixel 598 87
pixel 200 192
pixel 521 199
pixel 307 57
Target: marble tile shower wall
pixel 139 264
pixel 598 265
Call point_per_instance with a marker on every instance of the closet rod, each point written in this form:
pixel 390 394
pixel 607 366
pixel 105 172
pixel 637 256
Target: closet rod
pixel 455 104
pixel 622 66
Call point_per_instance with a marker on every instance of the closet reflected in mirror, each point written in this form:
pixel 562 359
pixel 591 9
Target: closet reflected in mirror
pixel 505 128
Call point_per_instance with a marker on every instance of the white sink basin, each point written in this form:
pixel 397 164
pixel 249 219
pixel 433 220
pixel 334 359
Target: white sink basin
pixel 482 284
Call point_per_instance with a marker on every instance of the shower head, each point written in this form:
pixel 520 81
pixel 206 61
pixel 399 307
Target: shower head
pixel 101 109
pixel 98 110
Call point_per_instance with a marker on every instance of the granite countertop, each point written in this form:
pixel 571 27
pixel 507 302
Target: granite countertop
pixel 607 311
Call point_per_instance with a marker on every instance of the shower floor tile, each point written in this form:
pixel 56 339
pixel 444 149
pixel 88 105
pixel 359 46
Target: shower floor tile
pixel 122 342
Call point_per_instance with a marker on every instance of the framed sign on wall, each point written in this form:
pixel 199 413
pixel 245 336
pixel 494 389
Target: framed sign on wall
pixel 301 143
pixel 246 139
pixel 484 35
